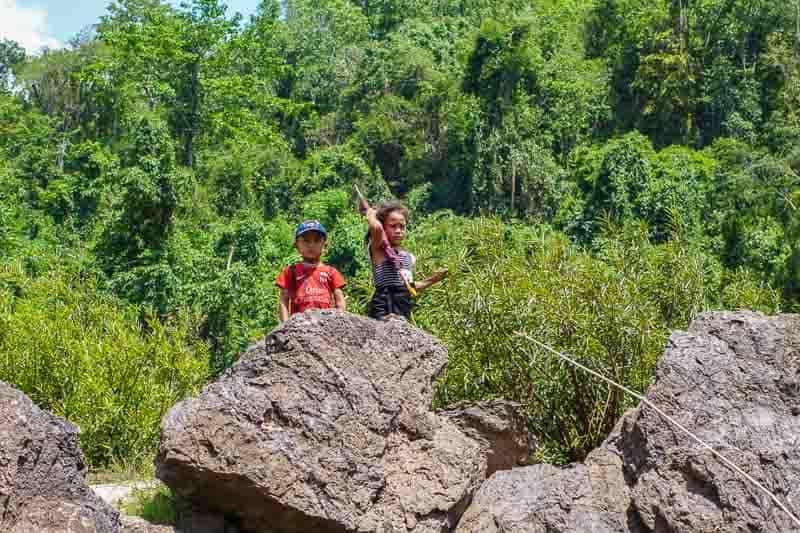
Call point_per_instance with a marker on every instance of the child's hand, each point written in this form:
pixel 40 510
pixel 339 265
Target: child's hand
pixel 436 277
pixel 440 274
pixel 363 205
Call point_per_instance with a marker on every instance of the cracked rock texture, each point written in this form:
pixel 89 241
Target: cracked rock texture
pixel 134 524
pixel 326 426
pixel 43 485
pixel 590 498
pixel 734 380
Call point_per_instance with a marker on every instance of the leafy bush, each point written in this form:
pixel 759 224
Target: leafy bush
pixel 593 118
pixel 86 357
pixel 613 310
pixel 157 505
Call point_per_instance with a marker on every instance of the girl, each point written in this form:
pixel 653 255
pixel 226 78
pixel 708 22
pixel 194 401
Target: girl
pixel 392 268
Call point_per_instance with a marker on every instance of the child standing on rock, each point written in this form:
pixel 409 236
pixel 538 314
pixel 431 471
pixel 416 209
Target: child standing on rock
pixel 392 267
pixel 310 284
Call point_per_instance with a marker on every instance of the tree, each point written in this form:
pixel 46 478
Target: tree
pixel 205 28
pixel 687 72
pixel 11 56
pixel 514 175
pixel 61 84
pixel 164 56
pixel 782 72
pixel 322 42
pixel 503 66
pixel 627 180
pixel 149 186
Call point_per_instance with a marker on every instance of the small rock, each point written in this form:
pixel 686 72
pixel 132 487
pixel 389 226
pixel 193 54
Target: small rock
pixel 582 497
pixel 115 494
pixel 134 524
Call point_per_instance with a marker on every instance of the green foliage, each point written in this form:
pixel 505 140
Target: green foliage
pixel 237 175
pixel 143 212
pixel 157 505
pixel 504 63
pixel 689 72
pixel 322 40
pixel 393 138
pixel 627 180
pixel 324 169
pixel 754 211
pixel 86 357
pixel 11 56
pixel 612 310
pixel 89 169
pixel 626 164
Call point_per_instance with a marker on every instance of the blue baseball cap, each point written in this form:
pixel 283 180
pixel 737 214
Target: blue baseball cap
pixel 310 225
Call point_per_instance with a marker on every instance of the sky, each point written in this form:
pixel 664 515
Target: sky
pixel 37 23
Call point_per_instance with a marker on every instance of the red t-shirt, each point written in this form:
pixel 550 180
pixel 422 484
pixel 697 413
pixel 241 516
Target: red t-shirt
pixel 313 286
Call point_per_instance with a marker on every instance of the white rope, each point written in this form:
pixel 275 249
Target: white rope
pixel 668 418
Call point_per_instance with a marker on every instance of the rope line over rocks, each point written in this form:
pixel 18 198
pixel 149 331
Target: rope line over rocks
pixel 668 418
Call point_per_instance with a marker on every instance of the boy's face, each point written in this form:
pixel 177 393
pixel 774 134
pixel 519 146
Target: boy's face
pixel 310 244
pixel 395 227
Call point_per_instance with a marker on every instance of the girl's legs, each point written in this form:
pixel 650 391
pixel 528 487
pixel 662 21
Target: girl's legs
pixel 389 301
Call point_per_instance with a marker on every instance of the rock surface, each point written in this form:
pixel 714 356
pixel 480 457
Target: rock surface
pixel 326 426
pixel 589 497
pixel 42 473
pixel 134 524
pixel 116 494
pixel 734 380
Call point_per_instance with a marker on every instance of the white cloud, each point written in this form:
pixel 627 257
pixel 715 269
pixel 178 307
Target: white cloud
pixel 26 25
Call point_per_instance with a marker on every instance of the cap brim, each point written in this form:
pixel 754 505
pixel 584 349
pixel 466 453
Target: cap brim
pixel 323 233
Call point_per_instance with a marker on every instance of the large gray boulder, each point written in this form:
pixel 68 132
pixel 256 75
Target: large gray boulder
pixel 43 473
pixel 734 380
pixel 326 426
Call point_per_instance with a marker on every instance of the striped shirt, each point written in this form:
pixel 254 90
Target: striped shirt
pixel 386 275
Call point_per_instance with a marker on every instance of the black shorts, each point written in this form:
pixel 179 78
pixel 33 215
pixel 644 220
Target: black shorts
pixel 391 300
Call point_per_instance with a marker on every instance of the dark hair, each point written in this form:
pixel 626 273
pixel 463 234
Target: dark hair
pixel 387 208
pixel 384 210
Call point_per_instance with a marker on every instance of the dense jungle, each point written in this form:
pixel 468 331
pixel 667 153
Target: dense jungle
pixel 594 173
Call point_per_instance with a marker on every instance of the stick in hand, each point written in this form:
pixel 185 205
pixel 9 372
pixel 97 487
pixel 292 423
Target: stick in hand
pixel 363 205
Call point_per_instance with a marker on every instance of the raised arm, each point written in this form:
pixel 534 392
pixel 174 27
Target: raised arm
pixel 375 235
pixel 375 227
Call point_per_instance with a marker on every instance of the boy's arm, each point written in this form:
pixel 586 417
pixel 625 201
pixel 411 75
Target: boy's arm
pixel 283 306
pixel 337 282
pixel 341 302
pixel 437 276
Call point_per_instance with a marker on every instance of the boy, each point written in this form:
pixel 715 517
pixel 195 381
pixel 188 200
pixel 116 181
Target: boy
pixel 310 284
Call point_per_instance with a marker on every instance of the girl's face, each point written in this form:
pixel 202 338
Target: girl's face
pixel 395 227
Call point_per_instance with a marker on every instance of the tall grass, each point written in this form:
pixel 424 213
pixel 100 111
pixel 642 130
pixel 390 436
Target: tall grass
pixel 612 308
pixel 87 357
